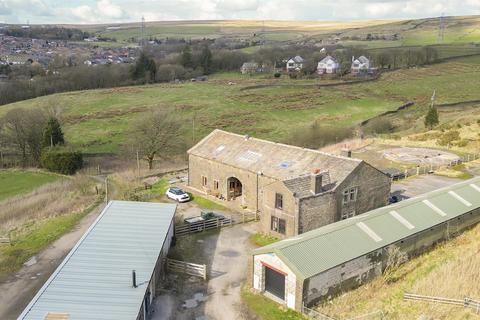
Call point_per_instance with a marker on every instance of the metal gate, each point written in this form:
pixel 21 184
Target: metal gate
pixel 275 283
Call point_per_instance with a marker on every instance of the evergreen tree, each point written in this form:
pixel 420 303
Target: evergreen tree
pixel 431 119
pixel 187 60
pixel 206 60
pixel 144 68
pixel 52 134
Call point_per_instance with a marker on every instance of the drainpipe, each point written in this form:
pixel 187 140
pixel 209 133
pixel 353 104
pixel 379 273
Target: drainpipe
pixel 259 173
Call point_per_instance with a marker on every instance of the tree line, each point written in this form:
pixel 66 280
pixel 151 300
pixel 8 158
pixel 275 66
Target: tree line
pixel 35 137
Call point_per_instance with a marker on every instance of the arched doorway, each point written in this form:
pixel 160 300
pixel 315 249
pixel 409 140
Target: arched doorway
pixel 234 187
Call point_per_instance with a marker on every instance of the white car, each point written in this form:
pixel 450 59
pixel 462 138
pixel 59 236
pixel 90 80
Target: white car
pixel 177 194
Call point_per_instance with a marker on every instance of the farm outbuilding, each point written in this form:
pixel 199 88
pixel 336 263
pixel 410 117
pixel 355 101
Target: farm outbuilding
pixel 293 190
pixel 96 280
pixel 322 263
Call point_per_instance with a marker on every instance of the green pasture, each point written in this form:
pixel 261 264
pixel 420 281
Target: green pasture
pixel 17 182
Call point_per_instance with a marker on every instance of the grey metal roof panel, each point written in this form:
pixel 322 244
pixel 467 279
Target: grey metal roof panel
pixel 324 248
pixel 94 280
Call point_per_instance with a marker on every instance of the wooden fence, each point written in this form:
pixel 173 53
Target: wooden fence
pixel 192 269
pixel 189 228
pixel 466 302
pixel 5 240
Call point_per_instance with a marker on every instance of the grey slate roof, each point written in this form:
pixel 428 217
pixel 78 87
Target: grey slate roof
pixel 363 59
pixel 327 58
pixel 275 160
pixel 319 250
pixel 300 186
pixel 94 282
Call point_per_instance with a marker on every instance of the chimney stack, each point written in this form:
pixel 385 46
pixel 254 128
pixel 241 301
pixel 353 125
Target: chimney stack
pixel 134 278
pixel 316 181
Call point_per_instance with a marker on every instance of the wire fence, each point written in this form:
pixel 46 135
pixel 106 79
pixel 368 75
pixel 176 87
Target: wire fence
pixel 315 315
pixel 465 302
pixel 397 174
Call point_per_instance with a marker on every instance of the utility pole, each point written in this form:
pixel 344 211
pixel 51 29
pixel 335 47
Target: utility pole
pixel 138 165
pixel 193 130
pixel 51 140
pixel 142 41
pixel 441 29
pixel 433 97
pixel 106 189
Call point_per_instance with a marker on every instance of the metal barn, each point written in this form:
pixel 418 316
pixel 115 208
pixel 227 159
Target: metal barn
pixel 95 280
pixel 324 262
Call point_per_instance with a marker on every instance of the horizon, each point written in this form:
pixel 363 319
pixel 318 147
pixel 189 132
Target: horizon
pixel 94 12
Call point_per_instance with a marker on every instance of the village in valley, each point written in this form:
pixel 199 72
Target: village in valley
pixel 240 169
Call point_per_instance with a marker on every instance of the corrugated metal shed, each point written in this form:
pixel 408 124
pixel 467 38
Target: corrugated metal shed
pixel 275 160
pixel 319 250
pixel 95 279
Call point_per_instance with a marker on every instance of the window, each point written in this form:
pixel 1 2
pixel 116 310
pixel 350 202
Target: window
pixel 204 181
pixel 215 184
pixel 348 214
pixel 278 225
pixel 350 195
pixel 278 201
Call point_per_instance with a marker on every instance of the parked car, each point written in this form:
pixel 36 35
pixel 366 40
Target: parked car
pixel 205 216
pixel 393 199
pixel 177 194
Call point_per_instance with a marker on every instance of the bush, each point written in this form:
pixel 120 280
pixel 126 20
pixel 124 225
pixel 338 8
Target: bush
pixel 278 75
pixel 448 137
pixel 317 136
pixel 378 126
pixel 61 161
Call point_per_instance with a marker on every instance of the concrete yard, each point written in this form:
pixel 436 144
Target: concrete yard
pixel 226 255
pixel 419 185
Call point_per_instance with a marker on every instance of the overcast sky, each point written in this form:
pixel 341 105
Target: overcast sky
pixel 108 11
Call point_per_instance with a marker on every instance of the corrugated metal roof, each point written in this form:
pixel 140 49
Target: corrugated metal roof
pixel 319 250
pixel 275 160
pixel 95 279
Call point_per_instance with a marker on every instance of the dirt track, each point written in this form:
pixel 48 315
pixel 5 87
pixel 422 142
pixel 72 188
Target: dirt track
pixel 17 291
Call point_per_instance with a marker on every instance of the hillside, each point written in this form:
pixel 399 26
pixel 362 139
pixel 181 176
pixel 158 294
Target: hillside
pixel 369 33
pixel 98 120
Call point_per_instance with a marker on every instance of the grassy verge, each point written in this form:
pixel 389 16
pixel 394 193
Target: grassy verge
pixel 265 308
pixel 207 203
pixel 261 239
pixel 15 182
pixel 35 236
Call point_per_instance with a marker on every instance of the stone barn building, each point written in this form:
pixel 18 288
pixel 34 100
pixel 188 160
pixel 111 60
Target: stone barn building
pixel 325 262
pixel 293 189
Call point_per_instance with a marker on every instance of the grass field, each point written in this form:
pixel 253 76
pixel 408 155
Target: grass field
pixel 98 121
pixel 13 183
pixel 449 271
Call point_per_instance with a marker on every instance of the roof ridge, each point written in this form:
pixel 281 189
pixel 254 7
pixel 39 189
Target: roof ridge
pixel 283 145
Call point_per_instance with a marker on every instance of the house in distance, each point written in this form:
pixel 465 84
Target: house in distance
pixel 250 67
pixel 292 189
pixel 328 65
pixel 295 64
pixel 361 66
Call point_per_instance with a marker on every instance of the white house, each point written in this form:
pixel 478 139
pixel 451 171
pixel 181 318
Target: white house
pixel 328 65
pixel 361 65
pixel 295 64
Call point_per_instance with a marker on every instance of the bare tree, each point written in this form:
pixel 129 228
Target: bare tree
pixel 157 135
pixel 23 130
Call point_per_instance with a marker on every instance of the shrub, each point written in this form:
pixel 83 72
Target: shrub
pixel 317 136
pixel 278 75
pixel 462 143
pixel 448 137
pixel 61 161
pixel 378 126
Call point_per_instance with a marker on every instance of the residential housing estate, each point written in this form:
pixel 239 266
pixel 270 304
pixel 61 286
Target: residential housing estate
pixel 292 189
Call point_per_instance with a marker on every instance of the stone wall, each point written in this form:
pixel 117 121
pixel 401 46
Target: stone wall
pixel 289 212
pixel 317 211
pixel 373 190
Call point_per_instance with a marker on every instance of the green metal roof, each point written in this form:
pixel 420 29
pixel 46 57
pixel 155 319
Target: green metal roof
pixel 95 279
pixel 319 250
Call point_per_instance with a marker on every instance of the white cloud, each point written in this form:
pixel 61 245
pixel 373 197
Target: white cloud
pixel 107 11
